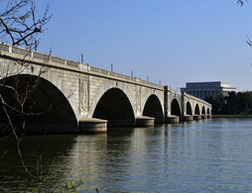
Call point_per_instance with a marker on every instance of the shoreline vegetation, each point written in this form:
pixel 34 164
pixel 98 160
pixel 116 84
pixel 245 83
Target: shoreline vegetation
pixel 231 116
pixel 234 105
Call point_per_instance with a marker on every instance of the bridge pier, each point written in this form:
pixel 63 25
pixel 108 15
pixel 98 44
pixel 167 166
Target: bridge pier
pixel 197 117
pixel 172 119
pixel 144 121
pixel 188 118
pixel 203 116
pixel 92 125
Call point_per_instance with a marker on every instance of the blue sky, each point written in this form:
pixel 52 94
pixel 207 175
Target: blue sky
pixel 170 41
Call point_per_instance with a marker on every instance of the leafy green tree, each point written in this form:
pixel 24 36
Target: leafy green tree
pixel 233 104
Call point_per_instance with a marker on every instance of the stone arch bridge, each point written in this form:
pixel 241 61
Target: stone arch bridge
pixel 76 97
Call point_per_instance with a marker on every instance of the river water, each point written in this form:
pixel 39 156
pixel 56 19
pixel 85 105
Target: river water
pixel 213 155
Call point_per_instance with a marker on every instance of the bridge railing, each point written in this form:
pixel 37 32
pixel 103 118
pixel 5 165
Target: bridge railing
pixel 175 92
pixel 122 76
pixel 196 99
pixel 50 58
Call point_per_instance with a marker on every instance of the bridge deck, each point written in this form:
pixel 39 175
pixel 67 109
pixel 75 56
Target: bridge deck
pixel 54 61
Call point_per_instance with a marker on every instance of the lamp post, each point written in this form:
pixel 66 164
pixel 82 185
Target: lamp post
pixel 82 58
pixel 111 67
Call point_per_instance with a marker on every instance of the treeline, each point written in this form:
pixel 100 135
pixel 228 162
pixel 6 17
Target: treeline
pixel 236 103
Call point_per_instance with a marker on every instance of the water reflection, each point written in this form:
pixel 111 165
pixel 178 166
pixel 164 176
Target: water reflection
pixel 41 155
pixel 205 156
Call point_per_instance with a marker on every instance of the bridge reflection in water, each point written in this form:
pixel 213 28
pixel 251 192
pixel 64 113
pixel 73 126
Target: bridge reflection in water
pixel 198 156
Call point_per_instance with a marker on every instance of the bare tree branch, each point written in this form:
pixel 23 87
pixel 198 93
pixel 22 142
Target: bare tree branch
pixel 240 2
pixel 20 26
pixel 249 42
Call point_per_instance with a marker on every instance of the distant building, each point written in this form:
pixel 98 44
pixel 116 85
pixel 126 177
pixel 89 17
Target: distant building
pixel 205 89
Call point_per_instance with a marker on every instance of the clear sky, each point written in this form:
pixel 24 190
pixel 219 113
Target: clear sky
pixel 172 41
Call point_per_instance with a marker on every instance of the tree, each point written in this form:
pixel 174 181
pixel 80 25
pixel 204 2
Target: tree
pixel 217 103
pixel 240 2
pixel 19 23
pixel 233 104
pixel 19 26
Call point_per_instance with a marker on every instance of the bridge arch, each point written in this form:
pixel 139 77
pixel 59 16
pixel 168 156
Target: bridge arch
pixel 175 108
pixel 115 106
pixel 203 112
pixel 188 108
pixel 197 110
pixel 49 110
pixel 153 108
pixel 208 111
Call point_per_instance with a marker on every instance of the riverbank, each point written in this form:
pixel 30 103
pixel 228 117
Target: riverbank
pixel 231 116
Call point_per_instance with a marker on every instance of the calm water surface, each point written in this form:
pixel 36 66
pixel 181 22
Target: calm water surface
pixel 212 155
